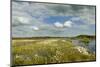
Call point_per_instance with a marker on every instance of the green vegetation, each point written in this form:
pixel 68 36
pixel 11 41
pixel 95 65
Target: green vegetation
pixel 44 51
pixel 85 38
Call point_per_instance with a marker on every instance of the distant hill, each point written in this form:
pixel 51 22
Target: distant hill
pixel 87 36
pixel 79 36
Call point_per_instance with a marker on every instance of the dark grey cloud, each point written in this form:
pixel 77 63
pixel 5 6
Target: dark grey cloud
pixel 82 11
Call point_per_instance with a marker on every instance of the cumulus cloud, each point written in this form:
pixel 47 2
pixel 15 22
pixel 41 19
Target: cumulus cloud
pixel 65 24
pixel 23 20
pixel 68 24
pixel 58 24
pixel 35 28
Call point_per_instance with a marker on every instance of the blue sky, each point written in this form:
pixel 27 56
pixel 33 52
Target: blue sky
pixel 55 20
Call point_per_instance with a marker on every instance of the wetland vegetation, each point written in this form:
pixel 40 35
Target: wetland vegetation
pixel 44 50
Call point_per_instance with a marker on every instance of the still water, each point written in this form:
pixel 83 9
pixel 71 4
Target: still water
pixel 91 46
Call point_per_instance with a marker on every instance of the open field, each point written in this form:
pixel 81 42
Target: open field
pixel 48 50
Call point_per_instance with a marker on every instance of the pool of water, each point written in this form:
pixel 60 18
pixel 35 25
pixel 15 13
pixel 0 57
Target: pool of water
pixel 91 46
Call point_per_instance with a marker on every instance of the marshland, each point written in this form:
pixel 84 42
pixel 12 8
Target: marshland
pixel 48 50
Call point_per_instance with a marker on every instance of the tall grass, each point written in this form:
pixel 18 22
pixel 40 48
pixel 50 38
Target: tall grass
pixel 44 51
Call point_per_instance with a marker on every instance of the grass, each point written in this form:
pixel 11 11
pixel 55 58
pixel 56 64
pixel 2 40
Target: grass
pixel 44 51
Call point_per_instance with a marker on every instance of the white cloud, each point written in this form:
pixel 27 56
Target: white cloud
pixel 68 24
pixel 58 24
pixel 23 20
pixel 35 28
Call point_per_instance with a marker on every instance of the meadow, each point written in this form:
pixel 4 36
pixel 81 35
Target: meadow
pixel 26 51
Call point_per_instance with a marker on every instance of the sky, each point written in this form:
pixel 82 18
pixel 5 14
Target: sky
pixel 32 19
